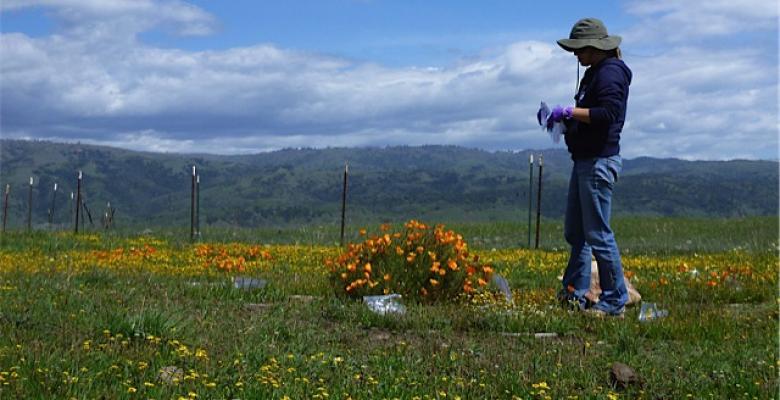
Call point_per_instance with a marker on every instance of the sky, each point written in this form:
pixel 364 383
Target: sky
pixel 241 76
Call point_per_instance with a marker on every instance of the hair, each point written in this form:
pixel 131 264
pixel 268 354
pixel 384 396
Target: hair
pixel 616 53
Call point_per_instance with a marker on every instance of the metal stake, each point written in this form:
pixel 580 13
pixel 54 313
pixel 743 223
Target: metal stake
pixel 53 202
pixel 5 205
pixel 192 206
pixel 70 207
pixel 539 201
pixel 29 206
pixel 78 202
pixel 344 202
pixel 197 205
pixel 530 194
pixel 89 215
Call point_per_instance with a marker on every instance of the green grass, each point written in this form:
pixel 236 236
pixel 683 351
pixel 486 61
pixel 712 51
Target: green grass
pixel 642 235
pixel 94 332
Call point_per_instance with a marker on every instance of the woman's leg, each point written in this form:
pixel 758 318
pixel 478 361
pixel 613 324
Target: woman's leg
pixel 596 183
pixel 576 278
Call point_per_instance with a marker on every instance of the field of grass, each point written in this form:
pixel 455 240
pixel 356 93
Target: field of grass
pixel 153 316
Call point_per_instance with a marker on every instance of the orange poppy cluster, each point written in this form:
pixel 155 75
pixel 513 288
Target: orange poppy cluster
pixel 419 261
pixel 120 254
pixel 233 257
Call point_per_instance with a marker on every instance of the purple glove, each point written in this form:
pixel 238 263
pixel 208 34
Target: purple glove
pixel 558 114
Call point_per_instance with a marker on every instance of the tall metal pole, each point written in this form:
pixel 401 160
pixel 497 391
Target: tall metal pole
pixel 192 206
pixel 78 202
pixel 344 202
pixel 539 201
pixel 530 194
pixel 197 205
pixel 53 202
pixel 29 206
pixel 5 205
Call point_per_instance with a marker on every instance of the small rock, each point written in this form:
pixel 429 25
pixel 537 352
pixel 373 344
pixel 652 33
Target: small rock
pixel 241 282
pixel 304 298
pixel 537 335
pixel 621 376
pixel 171 374
pixel 378 335
pixel 255 307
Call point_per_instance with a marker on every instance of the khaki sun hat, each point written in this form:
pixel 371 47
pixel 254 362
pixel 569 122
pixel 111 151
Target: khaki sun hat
pixel 590 32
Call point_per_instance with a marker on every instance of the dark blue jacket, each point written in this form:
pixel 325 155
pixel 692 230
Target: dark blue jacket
pixel 603 90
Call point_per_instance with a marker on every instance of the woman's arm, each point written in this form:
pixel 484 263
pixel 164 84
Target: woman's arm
pixel 581 114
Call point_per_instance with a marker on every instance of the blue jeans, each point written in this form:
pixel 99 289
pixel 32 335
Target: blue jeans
pixel 587 230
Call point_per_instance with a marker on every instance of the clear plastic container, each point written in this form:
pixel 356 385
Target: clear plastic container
pixel 650 311
pixel 385 304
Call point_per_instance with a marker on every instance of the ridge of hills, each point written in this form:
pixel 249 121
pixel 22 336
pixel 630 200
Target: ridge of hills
pixel 303 186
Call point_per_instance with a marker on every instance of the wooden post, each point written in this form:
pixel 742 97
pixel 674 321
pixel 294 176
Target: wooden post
pixel 53 202
pixel 29 206
pixel 344 202
pixel 192 206
pixel 78 201
pixel 530 194
pixel 5 205
pixel 539 201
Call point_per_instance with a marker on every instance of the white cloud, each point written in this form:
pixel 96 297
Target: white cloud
pixel 101 85
pixel 115 17
pixel 683 21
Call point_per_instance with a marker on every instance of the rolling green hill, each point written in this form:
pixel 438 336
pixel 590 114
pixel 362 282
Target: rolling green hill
pixel 302 186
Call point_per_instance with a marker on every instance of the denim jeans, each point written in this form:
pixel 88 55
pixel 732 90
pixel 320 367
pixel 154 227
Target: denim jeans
pixel 587 231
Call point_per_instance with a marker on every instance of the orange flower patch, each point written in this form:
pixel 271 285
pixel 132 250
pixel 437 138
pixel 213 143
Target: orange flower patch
pixel 232 257
pixel 419 261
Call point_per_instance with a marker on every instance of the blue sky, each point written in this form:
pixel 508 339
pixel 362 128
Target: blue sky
pixel 246 76
pixel 397 33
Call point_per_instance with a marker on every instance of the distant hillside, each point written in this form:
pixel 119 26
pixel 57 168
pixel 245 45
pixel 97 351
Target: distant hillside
pixel 297 186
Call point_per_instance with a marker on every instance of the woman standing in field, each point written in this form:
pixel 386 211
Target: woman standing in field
pixel 593 127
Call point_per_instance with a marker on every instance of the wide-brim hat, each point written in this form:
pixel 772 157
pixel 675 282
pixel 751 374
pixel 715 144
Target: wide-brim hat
pixel 590 32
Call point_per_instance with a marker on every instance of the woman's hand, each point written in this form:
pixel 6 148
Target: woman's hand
pixel 558 114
